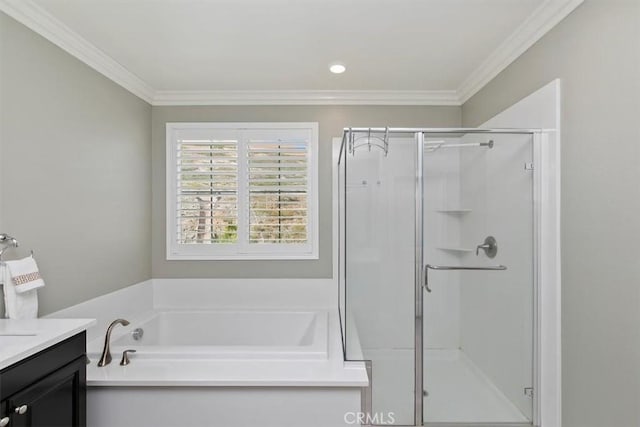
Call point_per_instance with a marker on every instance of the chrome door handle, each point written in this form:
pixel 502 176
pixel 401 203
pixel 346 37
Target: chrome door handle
pixel 4 421
pixel 21 410
pixel 462 267
pixel 457 267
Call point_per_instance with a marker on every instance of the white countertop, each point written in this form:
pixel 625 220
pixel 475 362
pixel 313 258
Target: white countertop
pixel 20 339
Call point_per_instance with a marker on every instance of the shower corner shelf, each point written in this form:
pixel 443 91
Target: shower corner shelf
pixel 454 249
pixel 455 211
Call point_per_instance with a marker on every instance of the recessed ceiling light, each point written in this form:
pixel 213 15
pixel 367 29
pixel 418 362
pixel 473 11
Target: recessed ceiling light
pixel 337 68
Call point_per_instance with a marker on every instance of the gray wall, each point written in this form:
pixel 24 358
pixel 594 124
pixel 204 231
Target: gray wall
pixel 74 171
pixel 332 119
pixel 596 53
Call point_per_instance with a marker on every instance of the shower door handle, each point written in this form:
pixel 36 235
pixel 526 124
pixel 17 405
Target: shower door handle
pixel 462 267
pixel 457 267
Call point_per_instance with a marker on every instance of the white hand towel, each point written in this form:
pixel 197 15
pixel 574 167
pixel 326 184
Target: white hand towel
pixel 24 304
pixel 25 274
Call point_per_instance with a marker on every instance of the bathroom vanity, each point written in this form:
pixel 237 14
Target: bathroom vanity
pixel 43 373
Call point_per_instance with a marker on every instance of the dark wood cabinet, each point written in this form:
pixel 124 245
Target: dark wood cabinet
pixel 47 389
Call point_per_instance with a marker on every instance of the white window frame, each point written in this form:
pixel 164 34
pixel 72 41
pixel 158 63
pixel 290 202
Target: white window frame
pixel 242 250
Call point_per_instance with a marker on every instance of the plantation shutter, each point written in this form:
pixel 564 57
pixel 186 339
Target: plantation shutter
pixel 278 187
pixel 207 191
pixel 242 191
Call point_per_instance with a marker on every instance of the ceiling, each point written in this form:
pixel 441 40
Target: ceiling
pixel 241 46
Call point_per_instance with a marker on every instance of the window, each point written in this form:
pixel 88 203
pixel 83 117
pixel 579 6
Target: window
pixel 242 191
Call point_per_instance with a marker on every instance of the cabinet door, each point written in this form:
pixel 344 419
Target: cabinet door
pixel 4 410
pixel 57 400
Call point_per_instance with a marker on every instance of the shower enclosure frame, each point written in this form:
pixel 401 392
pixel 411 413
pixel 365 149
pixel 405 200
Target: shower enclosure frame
pixel 382 134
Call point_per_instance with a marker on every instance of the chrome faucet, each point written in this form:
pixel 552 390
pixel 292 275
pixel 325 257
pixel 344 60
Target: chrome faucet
pixel 105 359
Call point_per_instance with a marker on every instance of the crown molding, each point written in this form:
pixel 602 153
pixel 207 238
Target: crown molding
pixel 38 20
pixel 307 97
pixel 543 19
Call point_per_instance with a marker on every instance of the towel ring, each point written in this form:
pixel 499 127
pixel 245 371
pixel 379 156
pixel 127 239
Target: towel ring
pixel 9 242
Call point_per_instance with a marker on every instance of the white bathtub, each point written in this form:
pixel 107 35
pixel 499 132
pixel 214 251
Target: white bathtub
pixel 214 334
pixel 218 347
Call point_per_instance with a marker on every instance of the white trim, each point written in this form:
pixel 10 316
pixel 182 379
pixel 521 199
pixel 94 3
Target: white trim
pixel 539 23
pixel 242 251
pixel 40 21
pixel 543 19
pixel 307 97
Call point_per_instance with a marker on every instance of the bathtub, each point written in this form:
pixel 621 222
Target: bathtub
pixel 219 335
pixel 229 353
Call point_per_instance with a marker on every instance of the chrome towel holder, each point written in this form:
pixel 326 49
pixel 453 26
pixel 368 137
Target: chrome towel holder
pixel 7 242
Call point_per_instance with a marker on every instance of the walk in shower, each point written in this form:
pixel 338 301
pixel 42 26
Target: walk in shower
pixel 437 268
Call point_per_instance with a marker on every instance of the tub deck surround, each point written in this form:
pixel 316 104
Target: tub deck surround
pixel 274 341
pixel 20 339
pixel 265 333
pixel 229 373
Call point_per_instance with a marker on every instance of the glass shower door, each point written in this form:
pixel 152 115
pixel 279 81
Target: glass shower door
pixel 380 272
pixel 479 261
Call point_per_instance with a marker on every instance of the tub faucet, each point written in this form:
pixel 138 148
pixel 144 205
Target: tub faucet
pixel 105 359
